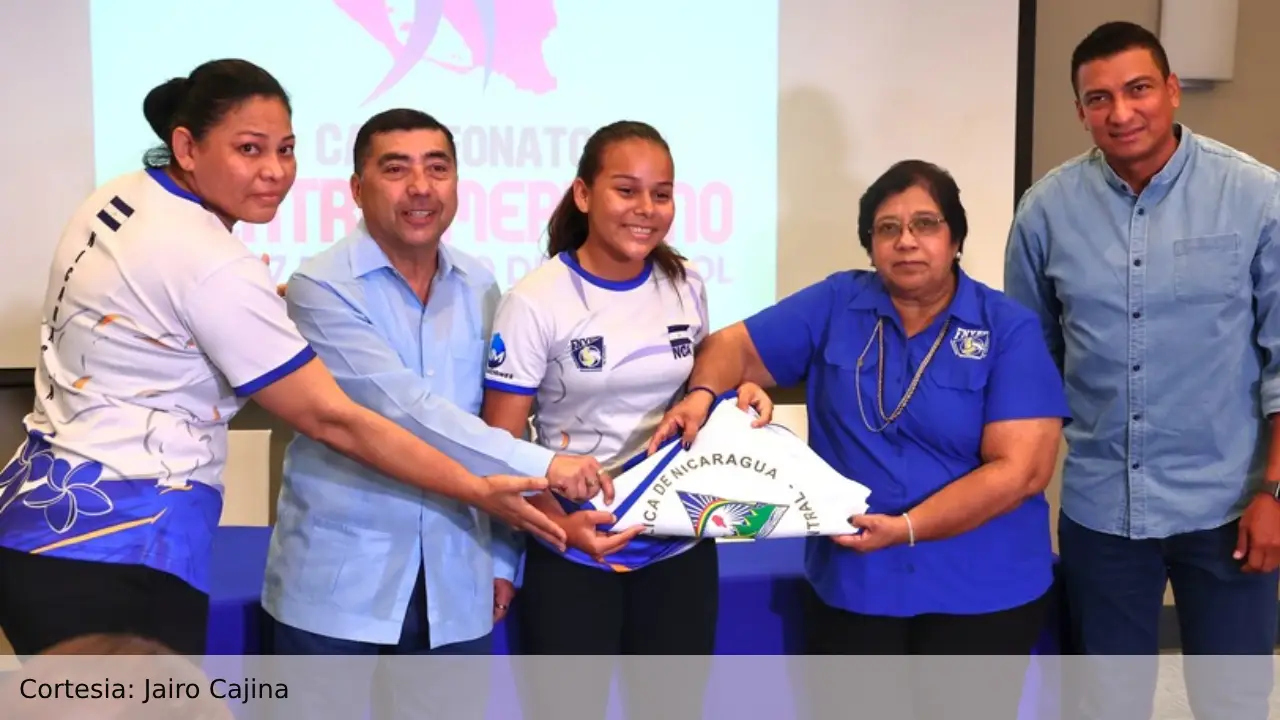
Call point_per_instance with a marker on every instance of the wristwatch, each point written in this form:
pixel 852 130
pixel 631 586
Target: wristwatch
pixel 1270 487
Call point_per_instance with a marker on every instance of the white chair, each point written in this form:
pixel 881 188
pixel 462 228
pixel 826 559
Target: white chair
pixel 794 418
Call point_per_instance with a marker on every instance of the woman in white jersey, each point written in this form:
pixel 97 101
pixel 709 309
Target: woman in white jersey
pixel 602 336
pixel 158 326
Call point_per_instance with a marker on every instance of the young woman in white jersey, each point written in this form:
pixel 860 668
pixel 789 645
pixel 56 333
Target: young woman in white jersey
pixel 602 336
pixel 158 326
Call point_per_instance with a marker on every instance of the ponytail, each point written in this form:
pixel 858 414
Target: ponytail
pixel 670 261
pixel 567 228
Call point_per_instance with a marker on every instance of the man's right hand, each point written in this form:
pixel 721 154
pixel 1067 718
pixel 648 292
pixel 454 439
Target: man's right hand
pixel 582 532
pixel 502 497
pixel 579 478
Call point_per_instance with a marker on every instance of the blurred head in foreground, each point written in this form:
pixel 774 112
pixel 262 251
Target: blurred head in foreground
pixel 106 677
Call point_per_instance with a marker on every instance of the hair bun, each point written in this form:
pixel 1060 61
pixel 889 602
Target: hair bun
pixel 162 103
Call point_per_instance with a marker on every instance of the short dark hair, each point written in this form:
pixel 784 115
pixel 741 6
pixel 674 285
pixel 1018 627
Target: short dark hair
pixel 567 228
pixel 908 174
pixel 1113 38
pixel 395 120
pixel 200 100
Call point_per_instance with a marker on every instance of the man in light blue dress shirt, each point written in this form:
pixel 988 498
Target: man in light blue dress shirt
pixel 1154 263
pixel 360 564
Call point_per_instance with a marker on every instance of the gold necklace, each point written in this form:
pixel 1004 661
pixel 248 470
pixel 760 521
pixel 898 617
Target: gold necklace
pixel 915 381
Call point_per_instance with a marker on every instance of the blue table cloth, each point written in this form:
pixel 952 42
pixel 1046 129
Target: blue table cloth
pixel 761 590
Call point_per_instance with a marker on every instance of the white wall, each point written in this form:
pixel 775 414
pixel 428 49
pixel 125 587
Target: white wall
pixel 862 84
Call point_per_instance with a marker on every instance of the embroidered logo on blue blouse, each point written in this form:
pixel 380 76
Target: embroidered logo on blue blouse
pixel 971 344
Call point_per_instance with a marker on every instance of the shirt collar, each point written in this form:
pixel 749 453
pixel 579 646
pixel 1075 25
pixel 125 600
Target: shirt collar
pixel 965 306
pixel 367 256
pixel 1167 175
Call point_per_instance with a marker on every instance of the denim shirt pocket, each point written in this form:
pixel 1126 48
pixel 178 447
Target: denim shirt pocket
pixel 1207 269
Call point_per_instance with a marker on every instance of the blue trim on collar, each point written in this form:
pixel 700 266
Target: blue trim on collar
pixel 168 183
pixel 616 285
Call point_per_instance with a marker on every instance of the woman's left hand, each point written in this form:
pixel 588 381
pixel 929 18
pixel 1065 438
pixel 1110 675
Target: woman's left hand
pixel 751 395
pixel 878 532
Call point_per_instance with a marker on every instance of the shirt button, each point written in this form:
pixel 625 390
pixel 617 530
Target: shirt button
pixel 1136 368
pixel 1137 263
pixel 1137 417
pixel 1136 315
pixel 1134 466
pixel 1142 211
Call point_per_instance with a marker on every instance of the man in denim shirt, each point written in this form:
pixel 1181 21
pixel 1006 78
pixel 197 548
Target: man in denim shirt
pixel 1154 263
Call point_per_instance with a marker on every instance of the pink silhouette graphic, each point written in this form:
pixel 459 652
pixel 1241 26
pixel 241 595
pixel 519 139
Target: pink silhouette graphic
pixel 504 37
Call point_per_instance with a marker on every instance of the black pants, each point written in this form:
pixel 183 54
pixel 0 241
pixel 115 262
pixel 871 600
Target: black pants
pixel 668 608
pixel 46 600
pixel 914 668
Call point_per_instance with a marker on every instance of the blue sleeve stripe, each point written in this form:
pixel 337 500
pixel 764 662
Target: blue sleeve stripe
pixel 508 387
pixel 302 358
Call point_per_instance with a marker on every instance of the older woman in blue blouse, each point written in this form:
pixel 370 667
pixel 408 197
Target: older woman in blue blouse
pixel 938 394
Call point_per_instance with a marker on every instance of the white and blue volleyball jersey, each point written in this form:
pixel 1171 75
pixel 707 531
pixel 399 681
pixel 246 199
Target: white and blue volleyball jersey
pixel 158 324
pixel 605 360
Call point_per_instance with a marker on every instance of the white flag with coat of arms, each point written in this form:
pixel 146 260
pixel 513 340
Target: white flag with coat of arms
pixel 735 481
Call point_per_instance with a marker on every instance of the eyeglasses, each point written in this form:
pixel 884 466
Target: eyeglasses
pixel 923 226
